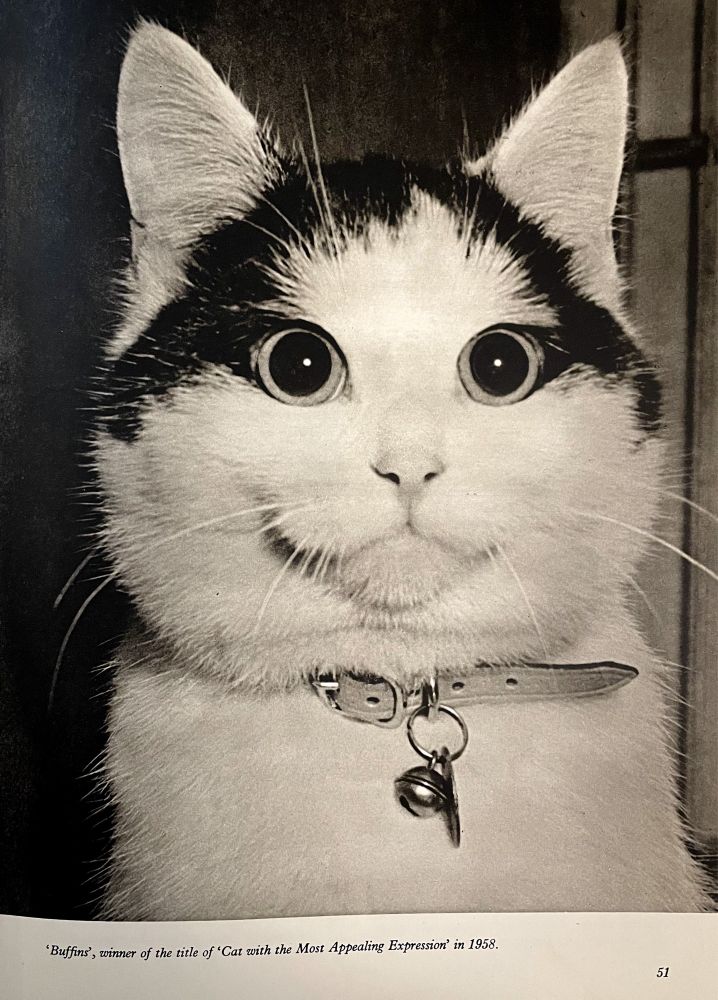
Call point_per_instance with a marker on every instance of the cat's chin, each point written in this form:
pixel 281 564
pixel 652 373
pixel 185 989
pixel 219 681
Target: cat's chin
pixel 401 572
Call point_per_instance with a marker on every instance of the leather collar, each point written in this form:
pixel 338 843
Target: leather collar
pixel 384 702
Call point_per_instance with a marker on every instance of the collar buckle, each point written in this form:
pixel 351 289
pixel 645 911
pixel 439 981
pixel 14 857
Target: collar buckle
pixel 364 697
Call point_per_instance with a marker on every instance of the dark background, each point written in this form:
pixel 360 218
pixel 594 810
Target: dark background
pixel 388 75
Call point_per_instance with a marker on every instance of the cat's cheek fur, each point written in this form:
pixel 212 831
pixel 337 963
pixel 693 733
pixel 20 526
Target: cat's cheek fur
pixel 520 570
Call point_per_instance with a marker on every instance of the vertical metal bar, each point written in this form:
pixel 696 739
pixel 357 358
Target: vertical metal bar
pixel 690 418
pixel 627 23
pixel 700 690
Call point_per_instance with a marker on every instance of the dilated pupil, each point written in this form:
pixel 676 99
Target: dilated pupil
pixel 499 364
pixel 300 364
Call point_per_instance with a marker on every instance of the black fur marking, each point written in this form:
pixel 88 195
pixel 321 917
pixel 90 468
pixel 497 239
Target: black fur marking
pixel 586 333
pixel 217 320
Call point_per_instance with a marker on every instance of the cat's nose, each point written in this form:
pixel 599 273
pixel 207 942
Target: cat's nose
pixel 410 476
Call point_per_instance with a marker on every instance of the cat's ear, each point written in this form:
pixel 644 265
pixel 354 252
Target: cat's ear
pixel 560 160
pixel 190 150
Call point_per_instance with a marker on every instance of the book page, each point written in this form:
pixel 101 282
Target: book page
pixel 359 557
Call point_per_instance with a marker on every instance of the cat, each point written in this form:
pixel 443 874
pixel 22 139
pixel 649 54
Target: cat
pixel 387 421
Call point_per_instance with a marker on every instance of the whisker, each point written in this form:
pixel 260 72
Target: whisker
pixel 465 213
pixel 690 503
pixel 525 596
pixel 275 583
pixel 341 555
pixel 326 565
pixel 646 600
pixel 74 575
pixel 277 522
pixel 623 575
pixel 303 241
pixel 319 563
pixel 155 545
pixel 267 232
pixel 320 174
pixel 208 524
pixel 316 554
pixel 654 538
pixel 83 607
pixel 323 565
pixel 312 185
pixel 306 560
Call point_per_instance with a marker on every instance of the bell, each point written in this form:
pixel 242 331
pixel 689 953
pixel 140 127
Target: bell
pixel 421 791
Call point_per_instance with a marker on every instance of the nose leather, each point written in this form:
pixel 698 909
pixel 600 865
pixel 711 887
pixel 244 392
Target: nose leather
pixel 409 449
pixel 407 474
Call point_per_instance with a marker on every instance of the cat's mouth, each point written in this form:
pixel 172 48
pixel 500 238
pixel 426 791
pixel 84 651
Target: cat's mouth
pixel 399 572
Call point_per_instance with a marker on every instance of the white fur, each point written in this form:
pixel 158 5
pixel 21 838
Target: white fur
pixel 401 307
pixel 239 806
pixel 237 793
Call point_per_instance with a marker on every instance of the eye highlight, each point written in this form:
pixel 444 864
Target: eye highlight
pixel 501 366
pixel 299 366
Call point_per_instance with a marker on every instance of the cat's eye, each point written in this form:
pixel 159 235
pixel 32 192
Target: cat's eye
pixel 299 366
pixel 501 366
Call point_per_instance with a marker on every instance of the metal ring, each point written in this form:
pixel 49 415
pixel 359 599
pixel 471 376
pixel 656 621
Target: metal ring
pixel 447 710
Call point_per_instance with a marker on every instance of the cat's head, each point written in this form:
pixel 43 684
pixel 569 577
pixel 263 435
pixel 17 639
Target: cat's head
pixel 371 414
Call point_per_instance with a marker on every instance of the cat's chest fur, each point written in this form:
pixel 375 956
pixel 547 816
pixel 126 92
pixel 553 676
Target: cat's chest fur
pixel 235 806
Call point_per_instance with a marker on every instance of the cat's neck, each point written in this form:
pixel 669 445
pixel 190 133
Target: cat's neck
pixel 288 664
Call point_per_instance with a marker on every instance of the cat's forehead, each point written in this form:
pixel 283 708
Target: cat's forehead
pixel 401 264
pixel 424 275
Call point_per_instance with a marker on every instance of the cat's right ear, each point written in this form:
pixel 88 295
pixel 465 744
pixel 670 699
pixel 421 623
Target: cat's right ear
pixel 190 150
pixel 560 161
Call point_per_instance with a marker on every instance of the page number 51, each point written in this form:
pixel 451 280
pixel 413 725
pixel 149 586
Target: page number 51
pixel 663 972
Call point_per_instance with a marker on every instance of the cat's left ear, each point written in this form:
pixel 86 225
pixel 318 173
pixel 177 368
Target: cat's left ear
pixel 190 150
pixel 561 160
